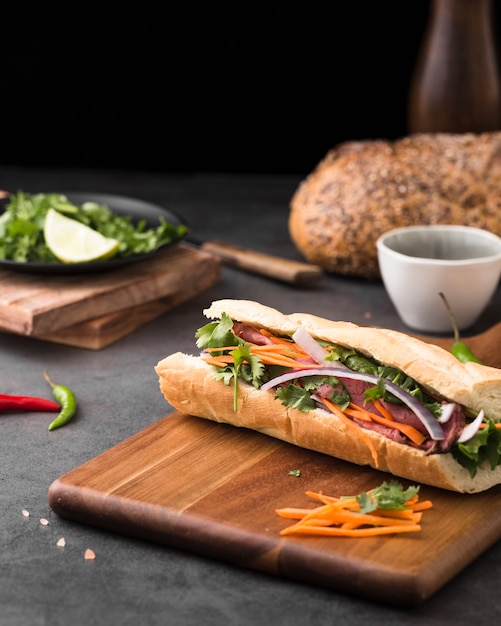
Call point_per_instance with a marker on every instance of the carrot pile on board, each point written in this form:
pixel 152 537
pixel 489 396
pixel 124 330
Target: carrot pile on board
pixel 384 510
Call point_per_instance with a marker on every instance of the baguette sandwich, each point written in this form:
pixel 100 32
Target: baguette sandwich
pixel 370 396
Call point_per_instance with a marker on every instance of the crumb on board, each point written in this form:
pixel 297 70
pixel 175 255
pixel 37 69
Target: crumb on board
pixel 44 521
pixel 25 513
pixel 61 542
pixel 89 555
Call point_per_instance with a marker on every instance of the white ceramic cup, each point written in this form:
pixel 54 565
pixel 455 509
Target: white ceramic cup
pixel 419 262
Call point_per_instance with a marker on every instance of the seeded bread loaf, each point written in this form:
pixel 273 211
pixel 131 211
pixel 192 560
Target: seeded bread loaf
pixel 361 189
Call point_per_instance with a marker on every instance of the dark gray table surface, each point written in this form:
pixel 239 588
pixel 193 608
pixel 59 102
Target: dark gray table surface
pixel 134 582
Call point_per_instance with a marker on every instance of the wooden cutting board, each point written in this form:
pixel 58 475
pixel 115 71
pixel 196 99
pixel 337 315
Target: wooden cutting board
pixel 92 310
pixel 212 489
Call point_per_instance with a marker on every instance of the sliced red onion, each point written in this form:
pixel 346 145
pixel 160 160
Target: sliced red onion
pixel 446 412
pixel 425 416
pixel 303 338
pixel 471 429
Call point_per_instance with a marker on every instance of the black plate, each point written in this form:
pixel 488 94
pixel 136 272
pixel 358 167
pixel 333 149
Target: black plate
pixel 136 209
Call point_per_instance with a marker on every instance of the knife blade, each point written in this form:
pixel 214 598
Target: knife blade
pixel 264 264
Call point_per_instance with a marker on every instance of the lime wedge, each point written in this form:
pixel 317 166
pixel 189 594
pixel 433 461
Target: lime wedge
pixel 73 242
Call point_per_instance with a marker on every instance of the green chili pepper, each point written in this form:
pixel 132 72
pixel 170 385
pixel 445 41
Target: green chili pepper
pixel 66 399
pixel 459 349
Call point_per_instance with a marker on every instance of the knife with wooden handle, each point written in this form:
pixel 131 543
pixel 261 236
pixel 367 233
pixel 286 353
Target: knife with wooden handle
pixel 278 268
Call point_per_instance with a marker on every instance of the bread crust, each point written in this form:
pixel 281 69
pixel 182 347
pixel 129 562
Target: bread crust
pixel 470 384
pixel 362 189
pixel 189 385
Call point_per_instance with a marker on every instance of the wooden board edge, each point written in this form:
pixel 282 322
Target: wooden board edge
pixel 103 331
pixel 105 293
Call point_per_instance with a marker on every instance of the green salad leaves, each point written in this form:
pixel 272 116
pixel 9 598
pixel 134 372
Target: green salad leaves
pixel 21 227
pixel 245 366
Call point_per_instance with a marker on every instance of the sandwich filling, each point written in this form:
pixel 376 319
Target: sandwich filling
pixel 306 374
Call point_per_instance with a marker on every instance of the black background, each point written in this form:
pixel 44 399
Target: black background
pixel 174 87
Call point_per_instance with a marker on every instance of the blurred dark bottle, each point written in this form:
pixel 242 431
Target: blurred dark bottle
pixel 456 83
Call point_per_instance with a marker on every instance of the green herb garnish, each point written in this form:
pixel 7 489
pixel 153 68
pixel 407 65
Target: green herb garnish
pixel 21 227
pixel 388 496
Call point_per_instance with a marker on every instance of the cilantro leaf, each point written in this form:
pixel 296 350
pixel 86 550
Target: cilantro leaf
pixel 217 334
pixel 387 496
pixel 295 397
pixel 250 367
pixel 246 365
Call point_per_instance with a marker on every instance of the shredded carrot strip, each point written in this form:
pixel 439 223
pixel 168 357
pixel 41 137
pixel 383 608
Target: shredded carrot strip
pixel 272 357
pixel 280 359
pixel 263 352
pixel 422 506
pixel 285 346
pixel 289 348
pixel 284 342
pixel 281 340
pixel 384 411
pixel 335 409
pixel 347 526
pixel 497 425
pixel 413 500
pixel 315 522
pixel 359 414
pixel 277 347
pixel 343 515
pixel 219 361
pixel 350 532
pixel 409 431
pixel 322 512
pixel 401 514
pixel 267 333
pixel 220 349
pixel 291 513
pixel 220 358
pixel 329 499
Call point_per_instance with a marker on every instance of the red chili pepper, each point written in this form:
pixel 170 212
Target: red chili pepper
pixel 27 403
